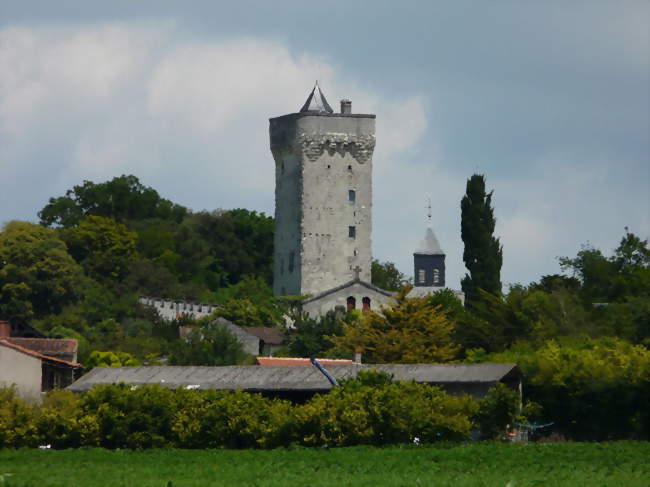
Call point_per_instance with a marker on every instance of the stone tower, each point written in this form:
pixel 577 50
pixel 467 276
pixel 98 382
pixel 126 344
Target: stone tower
pixel 429 262
pixel 323 196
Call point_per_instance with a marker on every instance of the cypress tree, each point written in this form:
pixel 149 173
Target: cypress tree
pixel 483 253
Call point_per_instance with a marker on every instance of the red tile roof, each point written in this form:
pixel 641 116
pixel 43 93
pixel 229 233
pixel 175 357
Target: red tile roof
pixel 273 361
pixel 272 336
pixel 46 346
pixel 27 351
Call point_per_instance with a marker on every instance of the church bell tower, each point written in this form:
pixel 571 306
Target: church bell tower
pixel 323 196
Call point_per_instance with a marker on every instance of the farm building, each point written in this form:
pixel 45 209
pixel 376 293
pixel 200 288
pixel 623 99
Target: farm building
pixel 300 383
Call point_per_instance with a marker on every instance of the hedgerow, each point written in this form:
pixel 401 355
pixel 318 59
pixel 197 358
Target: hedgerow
pixel 122 416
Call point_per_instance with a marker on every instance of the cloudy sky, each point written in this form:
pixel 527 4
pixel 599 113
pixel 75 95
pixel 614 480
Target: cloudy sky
pixel 550 100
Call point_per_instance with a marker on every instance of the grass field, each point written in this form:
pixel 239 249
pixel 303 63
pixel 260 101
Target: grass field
pixel 620 464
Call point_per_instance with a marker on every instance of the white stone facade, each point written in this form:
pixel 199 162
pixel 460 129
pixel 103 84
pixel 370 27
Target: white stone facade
pixel 170 310
pixel 351 295
pixel 323 200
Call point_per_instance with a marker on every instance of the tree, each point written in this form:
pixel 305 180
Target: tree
pixel 123 198
pixel 386 276
pixel 37 275
pixel 311 337
pixel 411 331
pixel 483 254
pixel 615 278
pixel 211 345
pixel 102 246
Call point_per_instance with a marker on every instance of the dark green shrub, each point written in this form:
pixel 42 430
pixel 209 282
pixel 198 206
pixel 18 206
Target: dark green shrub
pixel 497 410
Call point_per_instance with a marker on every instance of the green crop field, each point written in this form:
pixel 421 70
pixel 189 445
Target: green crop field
pixel 476 464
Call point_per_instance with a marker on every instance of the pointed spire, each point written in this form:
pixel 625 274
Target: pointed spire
pixel 430 245
pixel 316 102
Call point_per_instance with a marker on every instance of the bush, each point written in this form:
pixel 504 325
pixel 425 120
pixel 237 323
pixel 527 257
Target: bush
pixel 122 416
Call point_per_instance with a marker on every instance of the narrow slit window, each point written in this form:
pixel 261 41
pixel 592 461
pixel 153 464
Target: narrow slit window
pixel 436 276
pixel 352 232
pixel 352 196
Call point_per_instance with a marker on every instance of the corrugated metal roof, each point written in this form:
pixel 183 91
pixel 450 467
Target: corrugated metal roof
pixel 285 378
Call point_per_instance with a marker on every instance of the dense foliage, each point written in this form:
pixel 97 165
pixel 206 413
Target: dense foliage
pixel 120 416
pixel 115 241
pixel 483 253
pixel 580 337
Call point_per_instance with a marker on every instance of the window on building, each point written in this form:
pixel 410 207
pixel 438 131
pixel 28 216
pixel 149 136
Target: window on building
pixel 292 258
pixel 351 303
pixel 352 196
pixel 281 266
pixel 350 168
pixel 365 305
pixel 421 276
pixel 352 232
pixel 436 276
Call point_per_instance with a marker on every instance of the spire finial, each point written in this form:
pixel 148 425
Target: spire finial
pixel 429 211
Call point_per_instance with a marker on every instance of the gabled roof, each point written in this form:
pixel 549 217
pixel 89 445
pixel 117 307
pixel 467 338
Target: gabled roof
pixel 272 336
pixel 288 377
pixel 293 361
pixel 46 346
pixel 430 245
pixel 27 351
pixel 316 102
pixel 348 284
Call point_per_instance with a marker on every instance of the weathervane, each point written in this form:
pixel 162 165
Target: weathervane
pixel 429 211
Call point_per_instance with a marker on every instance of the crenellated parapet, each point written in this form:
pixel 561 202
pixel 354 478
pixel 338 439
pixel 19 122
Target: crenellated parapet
pixel 172 309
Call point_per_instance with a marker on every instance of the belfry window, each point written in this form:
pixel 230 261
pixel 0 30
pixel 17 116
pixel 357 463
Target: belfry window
pixel 352 196
pixel 436 276
pixel 421 276
pixel 352 232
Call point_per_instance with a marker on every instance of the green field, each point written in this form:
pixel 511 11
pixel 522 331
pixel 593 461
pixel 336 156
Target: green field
pixel 571 464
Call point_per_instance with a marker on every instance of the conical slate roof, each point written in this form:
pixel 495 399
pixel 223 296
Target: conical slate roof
pixel 430 245
pixel 316 102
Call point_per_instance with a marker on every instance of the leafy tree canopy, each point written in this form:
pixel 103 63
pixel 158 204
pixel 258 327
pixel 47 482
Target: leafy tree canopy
pixel 122 198
pixel 37 275
pixel 386 276
pixel 411 331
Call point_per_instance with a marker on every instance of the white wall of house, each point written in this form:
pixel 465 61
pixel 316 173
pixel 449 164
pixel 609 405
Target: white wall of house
pixel 21 370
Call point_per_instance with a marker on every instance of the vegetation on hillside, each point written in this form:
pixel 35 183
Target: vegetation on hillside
pixel 79 273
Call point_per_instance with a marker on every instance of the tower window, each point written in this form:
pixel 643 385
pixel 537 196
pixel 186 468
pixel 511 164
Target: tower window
pixel 436 276
pixel 421 276
pixel 292 258
pixel 352 232
pixel 350 168
pixel 352 196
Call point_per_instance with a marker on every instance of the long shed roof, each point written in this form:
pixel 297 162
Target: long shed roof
pixel 286 378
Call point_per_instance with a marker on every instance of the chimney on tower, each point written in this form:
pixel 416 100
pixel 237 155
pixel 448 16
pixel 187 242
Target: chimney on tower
pixel 346 106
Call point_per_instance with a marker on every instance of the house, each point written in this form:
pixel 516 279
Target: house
pixel 300 383
pixel 254 340
pixel 36 365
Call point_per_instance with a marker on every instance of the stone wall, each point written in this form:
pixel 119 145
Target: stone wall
pixel 170 310
pixel 320 305
pixel 323 215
